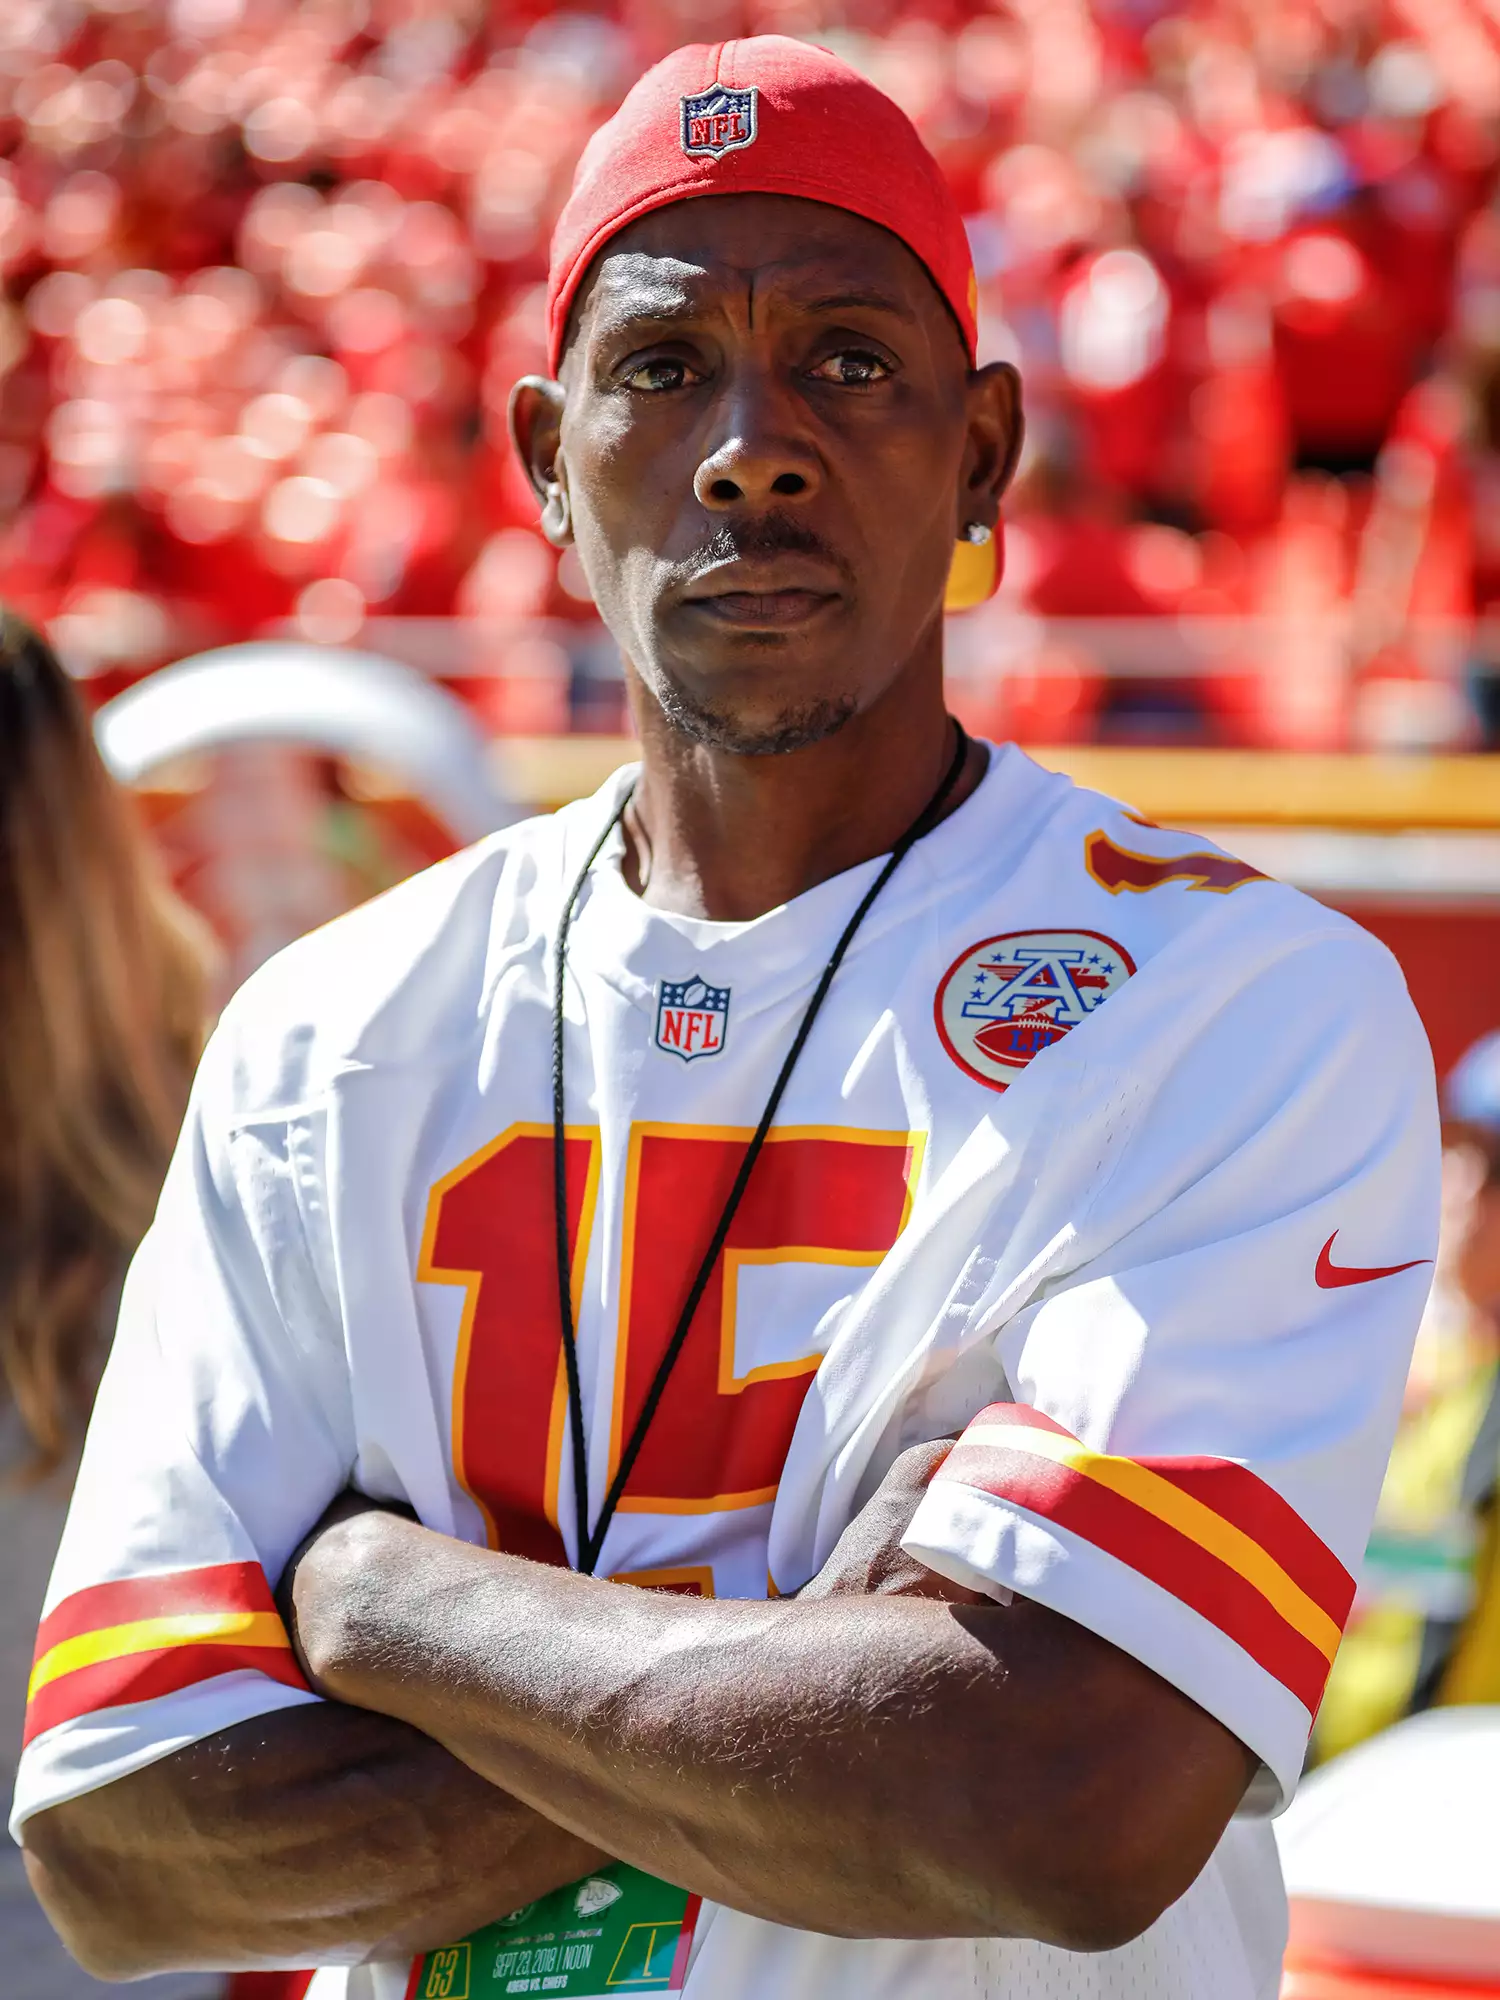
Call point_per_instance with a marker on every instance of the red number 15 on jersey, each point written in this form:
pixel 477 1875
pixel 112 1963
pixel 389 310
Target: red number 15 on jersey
pixel 720 1437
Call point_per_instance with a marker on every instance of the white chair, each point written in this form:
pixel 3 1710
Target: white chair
pixel 1392 1852
pixel 350 704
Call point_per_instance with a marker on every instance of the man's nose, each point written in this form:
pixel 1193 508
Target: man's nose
pixel 759 461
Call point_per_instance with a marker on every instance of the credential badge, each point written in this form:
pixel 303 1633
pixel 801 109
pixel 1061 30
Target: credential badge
pixel 718 121
pixel 692 1018
pixel 1008 998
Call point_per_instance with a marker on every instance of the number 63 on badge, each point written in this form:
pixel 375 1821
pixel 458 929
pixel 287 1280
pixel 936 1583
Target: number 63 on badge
pixel 615 1932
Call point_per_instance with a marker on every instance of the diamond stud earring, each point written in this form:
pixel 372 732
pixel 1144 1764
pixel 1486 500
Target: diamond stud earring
pixel 977 533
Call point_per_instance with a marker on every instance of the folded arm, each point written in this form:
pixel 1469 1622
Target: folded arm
pixel 861 1761
pixel 886 1755
pixel 314 1835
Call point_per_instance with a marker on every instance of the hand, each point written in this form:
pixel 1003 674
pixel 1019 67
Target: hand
pixel 869 1560
pixel 327 1833
pixel 313 1583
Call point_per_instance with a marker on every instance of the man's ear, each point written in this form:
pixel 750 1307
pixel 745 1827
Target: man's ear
pixel 536 411
pixel 996 429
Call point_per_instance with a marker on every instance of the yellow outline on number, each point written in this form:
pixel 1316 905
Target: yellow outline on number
pixel 660 1924
pixel 432 1990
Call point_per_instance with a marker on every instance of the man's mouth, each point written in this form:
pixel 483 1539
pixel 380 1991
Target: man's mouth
pixel 760 594
pixel 763 608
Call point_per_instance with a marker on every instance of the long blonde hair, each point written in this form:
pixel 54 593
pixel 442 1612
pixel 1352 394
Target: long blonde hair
pixel 102 976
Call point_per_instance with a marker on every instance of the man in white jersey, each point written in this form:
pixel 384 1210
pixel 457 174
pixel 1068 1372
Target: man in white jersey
pixel 647 1194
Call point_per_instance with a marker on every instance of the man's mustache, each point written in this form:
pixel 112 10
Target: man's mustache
pixel 765 535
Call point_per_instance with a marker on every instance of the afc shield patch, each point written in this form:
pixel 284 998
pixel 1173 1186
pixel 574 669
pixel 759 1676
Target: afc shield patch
pixel 692 1018
pixel 1007 998
pixel 718 121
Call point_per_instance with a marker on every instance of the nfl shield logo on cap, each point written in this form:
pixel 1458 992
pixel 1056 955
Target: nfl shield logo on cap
pixel 692 1018
pixel 718 121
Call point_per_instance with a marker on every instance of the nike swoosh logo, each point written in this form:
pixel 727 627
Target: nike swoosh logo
pixel 1330 1275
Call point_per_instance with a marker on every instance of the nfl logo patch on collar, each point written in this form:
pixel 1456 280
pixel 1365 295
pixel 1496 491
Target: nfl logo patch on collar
pixel 718 121
pixel 692 1018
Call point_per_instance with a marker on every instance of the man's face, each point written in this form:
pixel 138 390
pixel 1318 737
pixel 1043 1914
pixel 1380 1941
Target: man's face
pixel 769 443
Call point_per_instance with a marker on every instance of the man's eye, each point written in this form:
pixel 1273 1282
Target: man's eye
pixel 660 373
pixel 852 368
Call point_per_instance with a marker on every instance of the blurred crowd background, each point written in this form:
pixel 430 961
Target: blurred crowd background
pixel 271 267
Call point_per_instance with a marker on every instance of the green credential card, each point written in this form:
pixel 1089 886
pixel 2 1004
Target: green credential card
pixel 617 1932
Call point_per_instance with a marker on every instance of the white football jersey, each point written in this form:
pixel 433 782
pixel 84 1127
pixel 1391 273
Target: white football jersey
pixel 1104 1147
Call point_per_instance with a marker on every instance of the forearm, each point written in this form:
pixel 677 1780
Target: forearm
pixel 310 1836
pixel 871 1767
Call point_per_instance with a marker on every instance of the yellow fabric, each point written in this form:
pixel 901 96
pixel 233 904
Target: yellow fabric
pixel 151 1635
pixel 1474 1671
pixel 1432 1447
pixel 1430 1558
pixel 1372 1679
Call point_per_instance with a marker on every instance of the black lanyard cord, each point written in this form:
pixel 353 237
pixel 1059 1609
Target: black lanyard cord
pixel 591 1544
pixel 560 1189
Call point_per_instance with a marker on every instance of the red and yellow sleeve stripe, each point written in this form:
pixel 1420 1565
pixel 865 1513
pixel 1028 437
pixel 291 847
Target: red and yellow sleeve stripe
pixel 1211 1532
pixel 149 1636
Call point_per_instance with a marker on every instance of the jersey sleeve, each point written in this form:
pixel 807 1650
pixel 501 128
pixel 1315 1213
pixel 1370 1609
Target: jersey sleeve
pixel 221 1431
pixel 1200 1413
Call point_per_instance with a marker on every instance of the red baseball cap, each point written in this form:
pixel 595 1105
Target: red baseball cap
pixel 766 115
